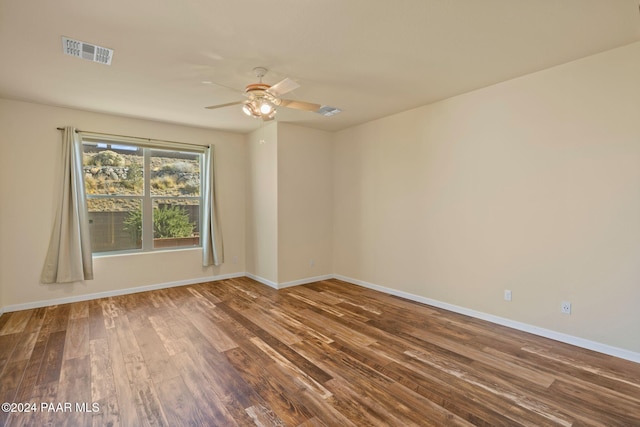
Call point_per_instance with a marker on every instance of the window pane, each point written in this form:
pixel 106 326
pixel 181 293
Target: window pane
pixel 176 223
pixel 113 169
pixel 175 173
pixel 115 224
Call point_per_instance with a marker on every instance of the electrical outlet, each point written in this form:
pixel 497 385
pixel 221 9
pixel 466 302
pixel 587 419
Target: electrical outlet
pixel 311 263
pixel 507 295
pixel 565 308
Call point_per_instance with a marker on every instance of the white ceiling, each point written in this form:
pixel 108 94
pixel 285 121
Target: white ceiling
pixel 371 58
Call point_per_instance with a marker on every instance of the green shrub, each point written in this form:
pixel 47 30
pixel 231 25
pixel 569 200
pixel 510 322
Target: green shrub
pixel 179 167
pixel 90 184
pixel 133 181
pixel 133 224
pixel 164 183
pixel 106 158
pixel 171 221
pixel 168 221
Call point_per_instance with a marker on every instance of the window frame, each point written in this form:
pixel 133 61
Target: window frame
pixel 147 199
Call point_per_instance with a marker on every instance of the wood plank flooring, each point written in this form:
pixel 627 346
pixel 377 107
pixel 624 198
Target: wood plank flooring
pixel 238 353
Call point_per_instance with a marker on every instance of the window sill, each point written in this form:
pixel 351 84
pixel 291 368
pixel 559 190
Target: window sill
pixel 156 251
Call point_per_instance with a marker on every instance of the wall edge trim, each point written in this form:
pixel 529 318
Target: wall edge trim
pixel 262 280
pixel 305 281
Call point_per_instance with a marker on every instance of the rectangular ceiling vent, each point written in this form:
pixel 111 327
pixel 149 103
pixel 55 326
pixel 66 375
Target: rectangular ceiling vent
pixel 327 111
pixel 86 50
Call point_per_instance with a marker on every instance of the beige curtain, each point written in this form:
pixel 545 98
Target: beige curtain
pixel 212 251
pixel 69 255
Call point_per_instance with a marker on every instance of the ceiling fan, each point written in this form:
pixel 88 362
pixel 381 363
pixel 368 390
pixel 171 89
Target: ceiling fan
pixel 262 99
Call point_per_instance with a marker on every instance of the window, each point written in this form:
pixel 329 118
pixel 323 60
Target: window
pixel 141 198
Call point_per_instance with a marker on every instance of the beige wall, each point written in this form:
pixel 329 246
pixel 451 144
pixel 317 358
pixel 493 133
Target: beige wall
pixel 531 185
pixel 289 203
pixel 305 203
pixel 262 203
pixel 29 153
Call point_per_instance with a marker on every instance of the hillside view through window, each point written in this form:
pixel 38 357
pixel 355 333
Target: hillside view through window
pixel 140 198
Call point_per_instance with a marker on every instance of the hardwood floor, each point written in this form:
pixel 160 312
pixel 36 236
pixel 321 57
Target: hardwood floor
pixel 236 352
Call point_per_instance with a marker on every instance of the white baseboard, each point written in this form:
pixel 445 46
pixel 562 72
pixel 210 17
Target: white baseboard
pixel 305 281
pixel 283 285
pixel 262 280
pixel 106 294
pixel 535 330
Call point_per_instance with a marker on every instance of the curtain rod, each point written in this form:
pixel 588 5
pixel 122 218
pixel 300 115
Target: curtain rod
pixel 137 137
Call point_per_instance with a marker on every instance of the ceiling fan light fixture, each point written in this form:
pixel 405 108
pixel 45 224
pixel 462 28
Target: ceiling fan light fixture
pixel 259 108
pixel 266 108
pixel 246 108
pixel 271 115
pixel 251 109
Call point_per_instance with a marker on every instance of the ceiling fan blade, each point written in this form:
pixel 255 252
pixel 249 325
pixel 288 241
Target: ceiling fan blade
pixel 233 89
pixel 282 87
pixel 213 107
pixel 300 105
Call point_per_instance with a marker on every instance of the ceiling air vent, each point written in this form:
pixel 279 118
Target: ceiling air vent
pixel 327 111
pixel 86 50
